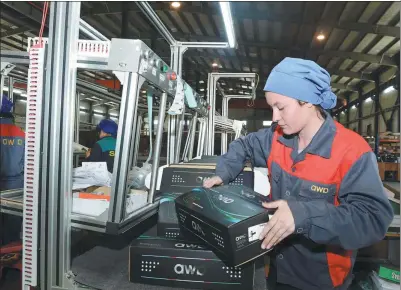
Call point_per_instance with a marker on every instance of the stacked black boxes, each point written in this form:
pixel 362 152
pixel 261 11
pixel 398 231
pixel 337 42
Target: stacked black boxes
pixel 177 260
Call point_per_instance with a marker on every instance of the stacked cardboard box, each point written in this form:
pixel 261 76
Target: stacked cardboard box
pixel 173 259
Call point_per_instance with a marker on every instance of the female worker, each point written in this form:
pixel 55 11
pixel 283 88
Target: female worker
pixel 328 198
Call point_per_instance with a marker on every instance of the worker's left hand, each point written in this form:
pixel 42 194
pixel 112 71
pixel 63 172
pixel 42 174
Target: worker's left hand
pixel 88 153
pixel 280 226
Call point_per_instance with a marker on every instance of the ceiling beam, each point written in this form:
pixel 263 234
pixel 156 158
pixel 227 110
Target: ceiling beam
pixel 14 32
pixel 254 14
pixel 25 9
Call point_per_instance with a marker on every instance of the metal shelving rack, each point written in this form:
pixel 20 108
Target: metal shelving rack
pixel 51 107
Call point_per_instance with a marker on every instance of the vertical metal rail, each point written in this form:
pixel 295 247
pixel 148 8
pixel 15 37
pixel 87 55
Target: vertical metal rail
pixel 128 111
pixel 157 148
pixel 211 99
pixel 193 133
pixel 10 89
pixel 56 179
pixel 137 139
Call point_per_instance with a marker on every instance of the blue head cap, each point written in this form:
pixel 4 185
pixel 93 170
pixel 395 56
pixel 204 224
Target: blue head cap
pixel 303 80
pixel 108 126
pixel 6 105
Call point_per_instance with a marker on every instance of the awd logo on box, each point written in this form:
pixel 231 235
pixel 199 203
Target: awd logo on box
pixel 198 228
pixel 188 246
pixel 239 238
pixel 182 269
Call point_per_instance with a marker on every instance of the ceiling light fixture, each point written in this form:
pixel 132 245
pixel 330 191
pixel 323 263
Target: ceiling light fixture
pixel 176 4
pixel 320 37
pixel 215 64
pixel 389 89
pixel 228 23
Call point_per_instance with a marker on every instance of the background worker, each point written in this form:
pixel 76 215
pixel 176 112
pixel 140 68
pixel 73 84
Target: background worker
pixel 12 152
pixel 12 149
pixel 328 198
pixel 104 149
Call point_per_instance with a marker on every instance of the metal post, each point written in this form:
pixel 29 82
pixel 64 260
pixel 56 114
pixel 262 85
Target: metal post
pixel 124 146
pixel 77 118
pixel 173 153
pixel 156 150
pixel 57 159
pixel 187 140
pixel 376 118
pixel 224 113
pixel 11 89
pixel 360 113
pixel 193 133
pixel 137 139
pixel 201 138
pixel 2 88
pixel 211 94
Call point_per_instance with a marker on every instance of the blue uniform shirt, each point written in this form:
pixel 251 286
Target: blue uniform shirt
pixel 12 150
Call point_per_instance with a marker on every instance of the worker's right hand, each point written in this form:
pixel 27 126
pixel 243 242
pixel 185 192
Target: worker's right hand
pixel 215 180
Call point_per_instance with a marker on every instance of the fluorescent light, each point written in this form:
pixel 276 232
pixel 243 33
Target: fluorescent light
pixel 215 64
pixel 155 122
pixel 201 90
pixel 368 100
pixel 143 92
pixel 81 112
pixel 176 4
pixel 228 23
pixel 23 101
pixel 342 113
pixel 389 89
pixel 83 108
pixel 353 107
pixel 23 95
pixel 244 87
pixel 320 37
pixel 230 89
pixel 97 115
pixel 201 82
pixel 5 89
pixel 97 111
pixel 112 115
pixel 267 123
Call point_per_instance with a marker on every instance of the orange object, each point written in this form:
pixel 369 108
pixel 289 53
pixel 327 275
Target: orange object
pixel 86 195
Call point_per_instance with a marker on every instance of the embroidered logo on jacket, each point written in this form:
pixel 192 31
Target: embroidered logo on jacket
pixel 319 189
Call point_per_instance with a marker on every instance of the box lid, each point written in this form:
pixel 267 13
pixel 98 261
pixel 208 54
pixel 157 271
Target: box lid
pixel 226 205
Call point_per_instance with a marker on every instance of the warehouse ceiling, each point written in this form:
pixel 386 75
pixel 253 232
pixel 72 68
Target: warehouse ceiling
pixel 361 39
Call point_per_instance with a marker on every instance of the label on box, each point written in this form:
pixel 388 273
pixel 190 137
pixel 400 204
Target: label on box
pixel 389 274
pixel 255 231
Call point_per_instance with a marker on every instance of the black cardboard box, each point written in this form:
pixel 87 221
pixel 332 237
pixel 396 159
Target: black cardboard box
pixel 167 222
pixel 169 262
pixel 183 177
pixel 228 218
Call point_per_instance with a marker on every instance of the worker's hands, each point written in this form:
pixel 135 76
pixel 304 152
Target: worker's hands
pixel 280 226
pixel 215 180
pixel 88 153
